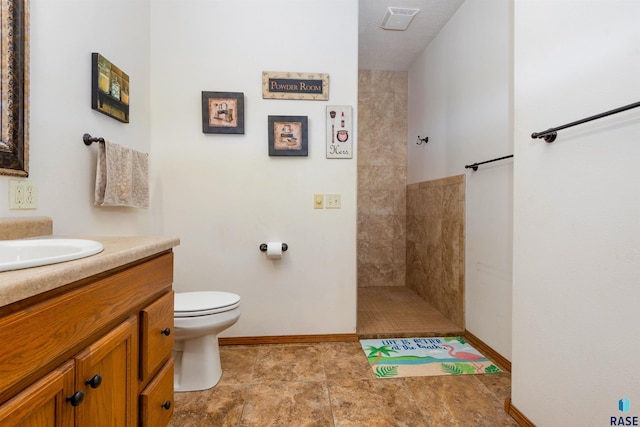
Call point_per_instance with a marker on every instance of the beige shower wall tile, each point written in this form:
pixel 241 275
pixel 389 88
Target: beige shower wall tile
pixel 375 251
pixel 381 202
pixel 400 253
pixel 435 244
pixel 377 81
pixel 382 176
pixel 374 274
pixel 385 227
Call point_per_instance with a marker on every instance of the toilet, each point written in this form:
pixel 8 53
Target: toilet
pixel 199 317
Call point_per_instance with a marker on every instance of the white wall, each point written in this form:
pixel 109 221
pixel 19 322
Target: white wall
pixel 460 97
pixel 222 194
pixel 576 210
pixel 63 35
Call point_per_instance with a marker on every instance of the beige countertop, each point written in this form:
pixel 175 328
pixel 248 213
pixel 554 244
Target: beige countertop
pixel 118 251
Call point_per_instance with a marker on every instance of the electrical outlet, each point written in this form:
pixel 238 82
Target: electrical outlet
pixel 22 194
pixel 318 201
pixel 30 195
pixel 332 201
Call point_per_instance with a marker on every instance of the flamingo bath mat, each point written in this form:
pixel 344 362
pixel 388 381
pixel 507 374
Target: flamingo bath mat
pixel 419 357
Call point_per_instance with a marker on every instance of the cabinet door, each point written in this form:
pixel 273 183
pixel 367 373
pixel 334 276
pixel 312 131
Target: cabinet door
pixel 156 401
pixel 43 404
pixel 156 337
pixel 107 373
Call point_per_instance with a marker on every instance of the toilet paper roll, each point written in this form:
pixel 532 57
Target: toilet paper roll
pixel 274 250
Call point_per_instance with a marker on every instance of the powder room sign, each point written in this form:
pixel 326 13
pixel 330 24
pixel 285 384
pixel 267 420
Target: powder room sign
pixel 286 85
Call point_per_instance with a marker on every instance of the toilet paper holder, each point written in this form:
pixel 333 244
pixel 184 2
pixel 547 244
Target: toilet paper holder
pixel 263 247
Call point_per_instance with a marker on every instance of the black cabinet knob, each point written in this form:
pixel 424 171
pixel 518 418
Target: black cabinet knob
pixel 166 331
pixel 76 398
pixel 95 381
pixel 167 404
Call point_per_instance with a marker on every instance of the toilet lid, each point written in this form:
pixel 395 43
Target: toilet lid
pixel 188 304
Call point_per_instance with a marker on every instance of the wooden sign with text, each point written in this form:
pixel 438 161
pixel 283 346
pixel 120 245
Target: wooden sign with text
pixel 286 85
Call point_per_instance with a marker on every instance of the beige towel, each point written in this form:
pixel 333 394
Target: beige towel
pixel 121 176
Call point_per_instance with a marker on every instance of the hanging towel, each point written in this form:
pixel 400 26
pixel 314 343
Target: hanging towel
pixel 121 176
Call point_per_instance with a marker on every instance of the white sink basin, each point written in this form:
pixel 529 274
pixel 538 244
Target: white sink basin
pixel 17 254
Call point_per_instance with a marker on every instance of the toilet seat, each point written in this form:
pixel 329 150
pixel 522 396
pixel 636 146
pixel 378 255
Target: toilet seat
pixel 191 304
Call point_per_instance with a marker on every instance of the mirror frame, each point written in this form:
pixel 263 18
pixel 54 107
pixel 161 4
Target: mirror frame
pixel 14 136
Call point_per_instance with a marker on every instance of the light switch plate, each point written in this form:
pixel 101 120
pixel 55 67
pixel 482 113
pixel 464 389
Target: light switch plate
pixel 318 201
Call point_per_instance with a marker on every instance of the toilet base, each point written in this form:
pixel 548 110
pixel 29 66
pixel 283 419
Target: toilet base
pixel 197 364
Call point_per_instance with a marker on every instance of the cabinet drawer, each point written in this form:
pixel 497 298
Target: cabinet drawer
pixel 156 337
pixel 156 401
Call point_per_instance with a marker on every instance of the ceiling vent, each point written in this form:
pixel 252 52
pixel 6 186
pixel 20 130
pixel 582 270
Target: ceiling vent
pixel 398 18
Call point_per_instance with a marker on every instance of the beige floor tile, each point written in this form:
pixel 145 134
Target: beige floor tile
pixel 287 403
pixel 220 406
pixel 332 384
pixel 498 384
pixel 294 362
pixel 373 403
pixel 458 400
pixel 345 360
pixel 237 363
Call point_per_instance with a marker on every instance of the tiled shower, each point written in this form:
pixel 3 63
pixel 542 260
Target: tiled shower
pixel 382 178
pixel 408 235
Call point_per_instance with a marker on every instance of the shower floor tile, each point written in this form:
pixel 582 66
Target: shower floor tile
pixel 399 312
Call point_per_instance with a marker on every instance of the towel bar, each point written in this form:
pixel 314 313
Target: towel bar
pixel 88 139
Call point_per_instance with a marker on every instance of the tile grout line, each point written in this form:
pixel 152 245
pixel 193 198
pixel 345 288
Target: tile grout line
pixel 326 384
pixel 246 386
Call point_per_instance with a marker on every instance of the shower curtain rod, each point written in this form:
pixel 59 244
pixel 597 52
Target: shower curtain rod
pixel 475 165
pixel 550 135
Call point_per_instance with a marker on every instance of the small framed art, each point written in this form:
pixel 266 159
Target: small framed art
pixel 339 132
pixel 288 136
pixel 109 88
pixel 223 112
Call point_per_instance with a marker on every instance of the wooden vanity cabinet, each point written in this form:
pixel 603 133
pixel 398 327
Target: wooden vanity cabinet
pixel 43 403
pixel 96 354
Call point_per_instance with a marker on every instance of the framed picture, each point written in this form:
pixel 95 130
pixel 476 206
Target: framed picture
pixel 288 136
pixel 223 112
pixel 14 88
pixel 339 132
pixel 109 88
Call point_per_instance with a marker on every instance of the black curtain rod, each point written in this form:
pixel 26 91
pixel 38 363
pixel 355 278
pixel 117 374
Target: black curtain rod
pixel 550 135
pixel 475 165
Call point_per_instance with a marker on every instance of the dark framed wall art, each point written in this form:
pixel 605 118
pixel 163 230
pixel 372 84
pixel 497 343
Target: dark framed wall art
pixel 223 112
pixel 288 136
pixel 109 88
